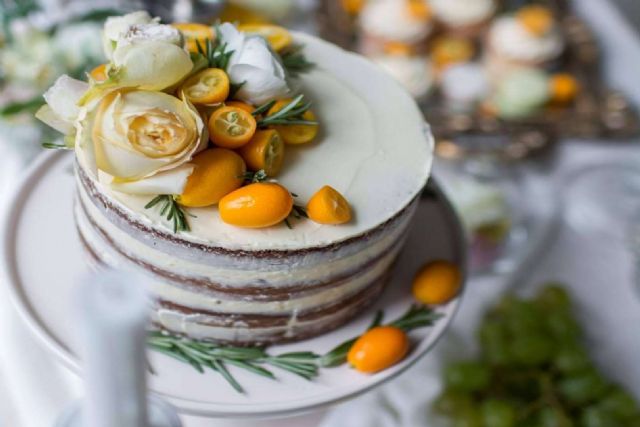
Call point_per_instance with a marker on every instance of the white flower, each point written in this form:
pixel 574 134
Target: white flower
pixel 61 109
pixel 253 65
pixel 117 26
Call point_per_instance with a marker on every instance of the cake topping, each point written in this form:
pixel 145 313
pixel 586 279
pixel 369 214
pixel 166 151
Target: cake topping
pixel 536 19
pixel 564 88
pixel 264 152
pixel 258 205
pixel 279 38
pixel 295 122
pixel 463 12
pixel 217 172
pixel 209 86
pixel 328 206
pixel 195 34
pixel 397 20
pixel 451 50
pixel 231 127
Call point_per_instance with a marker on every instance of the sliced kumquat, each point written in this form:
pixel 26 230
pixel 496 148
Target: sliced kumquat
pixel 278 37
pixel 265 151
pixel 328 206
pixel 209 86
pixel 295 134
pixel 231 127
pixel 195 33
pixel 242 105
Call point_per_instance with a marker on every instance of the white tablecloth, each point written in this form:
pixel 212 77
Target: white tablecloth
pixel 35 388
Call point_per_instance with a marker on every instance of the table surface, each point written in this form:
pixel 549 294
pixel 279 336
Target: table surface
pixel 599 271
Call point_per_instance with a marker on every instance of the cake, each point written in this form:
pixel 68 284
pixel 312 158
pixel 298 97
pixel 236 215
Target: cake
pixel 529 38
pixel 215 279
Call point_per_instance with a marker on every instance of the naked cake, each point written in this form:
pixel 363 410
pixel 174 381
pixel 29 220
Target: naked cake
pixel 268 199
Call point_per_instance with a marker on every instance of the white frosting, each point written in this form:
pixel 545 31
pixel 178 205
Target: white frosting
pixel 228 272
pixel 373 147
pixel 462 12
pixel 414 73
pixel 509 38
pixel 390 20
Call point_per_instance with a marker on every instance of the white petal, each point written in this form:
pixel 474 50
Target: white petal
pixel 116 26
pixel 260 86
pixel 151 65
pixel 169 182
pixel 64 95
pixel 46 115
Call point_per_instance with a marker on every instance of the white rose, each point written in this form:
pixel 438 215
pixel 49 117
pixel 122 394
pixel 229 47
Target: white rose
pixel 148 57
pixel 116 26
pixel 135 134
pixel 61 109
pixel 255 66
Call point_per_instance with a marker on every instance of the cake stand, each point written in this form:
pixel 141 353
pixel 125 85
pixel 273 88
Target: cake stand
pixel 43 259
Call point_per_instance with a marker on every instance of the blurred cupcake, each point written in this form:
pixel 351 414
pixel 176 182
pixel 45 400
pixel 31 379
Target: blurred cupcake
pixel 394 21
pixel 521 94
pixel 463 18
pixel 530 38
pixel 446 51
pixel 414 73
pixel 464 86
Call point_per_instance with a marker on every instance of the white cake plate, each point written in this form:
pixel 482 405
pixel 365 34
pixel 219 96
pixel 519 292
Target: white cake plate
pixel 43 259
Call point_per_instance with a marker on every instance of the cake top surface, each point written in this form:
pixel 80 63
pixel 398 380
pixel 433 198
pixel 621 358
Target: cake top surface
pixel 373 147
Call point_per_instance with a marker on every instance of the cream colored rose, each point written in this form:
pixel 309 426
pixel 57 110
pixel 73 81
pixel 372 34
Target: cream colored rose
pixel 136 134
pixel 115 27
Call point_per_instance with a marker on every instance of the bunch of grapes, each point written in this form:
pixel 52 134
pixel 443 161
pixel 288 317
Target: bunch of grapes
pixel 534 371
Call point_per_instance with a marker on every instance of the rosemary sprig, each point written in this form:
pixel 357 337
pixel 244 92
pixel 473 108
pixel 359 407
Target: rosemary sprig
pixel 295 62
pixel 306 364
pixel 290 114
pixel 170 208
pixel 206 354
pixel 215 53
pixel 416 317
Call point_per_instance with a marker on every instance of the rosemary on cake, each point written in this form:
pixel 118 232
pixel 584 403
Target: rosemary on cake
pixel 306 364
pixel 206 107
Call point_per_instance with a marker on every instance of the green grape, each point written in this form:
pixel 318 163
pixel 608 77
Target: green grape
pixel 554 297
pixel 551 417
pixel 596 417
pixel 494 343
pixel 497 413
pixel 582 388
pixel 525 319
pixel 571 359
pixel 532 350
pixel 563 326
pixel 451 402
pixel 467 376
pixel 619 403
pixel 526 387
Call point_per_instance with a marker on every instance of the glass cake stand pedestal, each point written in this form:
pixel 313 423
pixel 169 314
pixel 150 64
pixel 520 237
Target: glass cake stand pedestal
pixel 42 258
